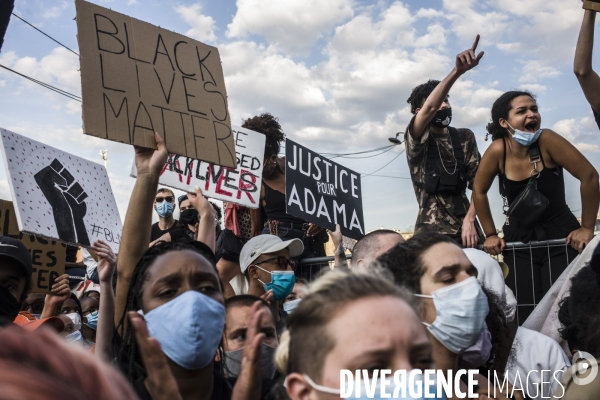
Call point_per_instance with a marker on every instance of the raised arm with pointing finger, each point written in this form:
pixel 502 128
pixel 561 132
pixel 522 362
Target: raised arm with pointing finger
pixel 443 160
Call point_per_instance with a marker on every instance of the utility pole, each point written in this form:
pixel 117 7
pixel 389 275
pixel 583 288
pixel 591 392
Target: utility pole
pixel 104 155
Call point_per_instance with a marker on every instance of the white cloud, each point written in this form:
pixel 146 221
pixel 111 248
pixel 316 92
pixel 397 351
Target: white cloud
pixel 59 68
pixel 294 25
pixel 203 26
pixel 579 133
pixel 535 70
pixel 56 10
pixel 534 88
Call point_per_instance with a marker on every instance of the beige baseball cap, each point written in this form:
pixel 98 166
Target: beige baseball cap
pixel 265 244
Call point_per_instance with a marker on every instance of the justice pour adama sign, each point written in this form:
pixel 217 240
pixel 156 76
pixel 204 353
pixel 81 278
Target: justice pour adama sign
pixel 137 78
pixel 323 192
pixel 239 185
pixel 58 195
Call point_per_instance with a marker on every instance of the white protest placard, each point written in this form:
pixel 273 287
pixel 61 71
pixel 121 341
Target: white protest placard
pixel 239 185
pixel 58 195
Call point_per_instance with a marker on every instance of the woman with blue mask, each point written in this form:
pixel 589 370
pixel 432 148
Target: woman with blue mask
pixel 523 153
pixel 350 321
pixel 176 287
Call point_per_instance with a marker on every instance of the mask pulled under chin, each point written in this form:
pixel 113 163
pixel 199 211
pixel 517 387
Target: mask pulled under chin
pixel 524 138
pixel 189 328
pixel 442 118
pixel 461 310
pixel 233 362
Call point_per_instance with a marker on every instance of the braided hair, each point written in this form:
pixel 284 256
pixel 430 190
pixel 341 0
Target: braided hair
pixel 268 125
pixel 129 357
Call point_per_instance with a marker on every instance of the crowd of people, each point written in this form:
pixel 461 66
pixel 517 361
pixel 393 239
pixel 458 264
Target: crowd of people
pixel 188 310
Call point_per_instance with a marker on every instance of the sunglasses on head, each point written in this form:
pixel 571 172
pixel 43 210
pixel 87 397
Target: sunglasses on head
pixel 169 199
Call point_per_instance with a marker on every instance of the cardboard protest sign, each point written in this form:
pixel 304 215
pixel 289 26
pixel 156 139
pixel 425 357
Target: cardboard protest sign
pixel 322 192
pixel 47 257
pixel 137 78
pixel 58 195
pixel 239 185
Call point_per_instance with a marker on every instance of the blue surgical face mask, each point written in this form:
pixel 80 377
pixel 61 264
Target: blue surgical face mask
pixel 74 337
pixel 189 328
pixel 164 209
pixel 460 314
pixel 524 138
pixel 291 305
pixel 92 320
pixel 282 283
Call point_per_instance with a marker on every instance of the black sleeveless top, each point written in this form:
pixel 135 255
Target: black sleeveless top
pixel 556 222
pixel 275 206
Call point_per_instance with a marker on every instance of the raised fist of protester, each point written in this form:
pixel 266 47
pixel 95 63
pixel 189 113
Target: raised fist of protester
pixel 107 261
pixel 201 204
pixel 160 381
pixel 313 229
pixel 494 245
pixel 467 60
pixel 59 292
pixel 579 238
pixel 151 161
pixel 249 381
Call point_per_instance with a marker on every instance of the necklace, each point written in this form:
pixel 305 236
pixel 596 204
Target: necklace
pixel 442 160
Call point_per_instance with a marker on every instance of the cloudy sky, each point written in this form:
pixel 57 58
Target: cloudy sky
pixel 337 73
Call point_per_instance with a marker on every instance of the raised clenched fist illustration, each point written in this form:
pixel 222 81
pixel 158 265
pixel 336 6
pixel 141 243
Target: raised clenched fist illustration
pixel 67 199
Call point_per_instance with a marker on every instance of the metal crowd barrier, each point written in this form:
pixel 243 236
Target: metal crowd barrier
pixel 518 278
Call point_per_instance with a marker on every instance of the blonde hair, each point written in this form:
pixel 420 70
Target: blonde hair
pixel 305 342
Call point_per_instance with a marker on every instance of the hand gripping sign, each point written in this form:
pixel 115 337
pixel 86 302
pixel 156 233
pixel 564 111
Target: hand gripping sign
pixel 239 185
pixel 323 192
pixel 58 195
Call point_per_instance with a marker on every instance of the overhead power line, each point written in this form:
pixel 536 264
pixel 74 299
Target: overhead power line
pixel 45 34
pixel 398 155
pixel 47 86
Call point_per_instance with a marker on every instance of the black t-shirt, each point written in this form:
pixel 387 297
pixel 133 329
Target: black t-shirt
pixel 157 232
pixel 222 388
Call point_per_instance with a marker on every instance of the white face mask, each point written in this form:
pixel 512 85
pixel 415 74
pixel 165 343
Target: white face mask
pixel 460 314
pixel 76 318
pixel 370 391
pixel 291 305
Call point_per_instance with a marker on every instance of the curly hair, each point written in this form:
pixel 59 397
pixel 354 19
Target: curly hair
pixel 268 125
pixel 578 313
pixel 500 110
pixel 420 94
pixel 129 357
